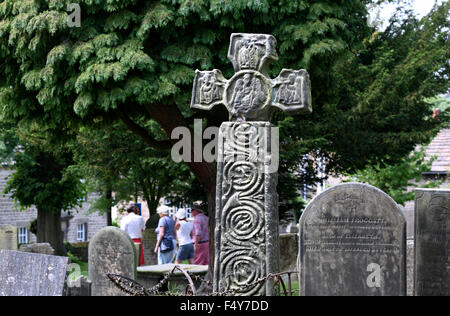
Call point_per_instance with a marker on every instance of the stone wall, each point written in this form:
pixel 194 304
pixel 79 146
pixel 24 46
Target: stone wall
pixel 10 213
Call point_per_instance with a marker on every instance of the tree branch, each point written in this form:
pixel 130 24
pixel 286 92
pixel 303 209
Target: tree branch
pixel 143 133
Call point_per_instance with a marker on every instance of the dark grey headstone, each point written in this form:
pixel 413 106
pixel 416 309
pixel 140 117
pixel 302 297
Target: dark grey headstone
pixel 111 250
pixel 30 274
pixel 352 243
pixel 148 243
pixel 432 243
pixel 79 287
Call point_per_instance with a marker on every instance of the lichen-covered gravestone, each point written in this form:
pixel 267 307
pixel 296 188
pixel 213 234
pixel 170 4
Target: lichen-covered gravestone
pixel 111 250
pixel 8 238
pixel 352 243
pixel 30 274
pixel 432 243
pixel 246 236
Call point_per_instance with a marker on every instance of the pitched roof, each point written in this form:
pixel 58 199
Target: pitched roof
pixel 440 147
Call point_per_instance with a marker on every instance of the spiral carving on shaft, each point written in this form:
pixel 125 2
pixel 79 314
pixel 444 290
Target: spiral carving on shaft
pixel 242 217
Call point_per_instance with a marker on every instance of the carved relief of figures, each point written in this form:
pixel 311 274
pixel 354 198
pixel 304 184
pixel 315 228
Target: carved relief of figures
pixel 248 94
pixel 208 90
pixel 249 53
pixel 290 91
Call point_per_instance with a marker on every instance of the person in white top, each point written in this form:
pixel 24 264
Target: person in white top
pixel 134 224
pixel 184 230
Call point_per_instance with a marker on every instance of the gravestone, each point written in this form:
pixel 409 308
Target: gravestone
pixel 42 248
pixel 410 267
pixel 111 250
pixel 432 242
pixel 246 235
pixel 352 243
pixel 148 243
pixel 79 287
pixel 8 238
pixel 30 274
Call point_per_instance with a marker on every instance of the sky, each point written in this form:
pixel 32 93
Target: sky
pixel 420 7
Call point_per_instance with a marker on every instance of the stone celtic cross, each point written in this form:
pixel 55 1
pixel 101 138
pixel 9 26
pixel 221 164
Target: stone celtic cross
pixel 246 235
pixel 250 95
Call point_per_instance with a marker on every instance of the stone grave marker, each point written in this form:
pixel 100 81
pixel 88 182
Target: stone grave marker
pixel 111 250
pixel 42 248
pixel 352 243
pixel 246 235
pixel 432 242
pixel 8 238
pixel 149 242
pixel 30 274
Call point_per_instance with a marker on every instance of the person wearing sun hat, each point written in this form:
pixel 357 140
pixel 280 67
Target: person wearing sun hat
pixel 166 242
pixel 184 230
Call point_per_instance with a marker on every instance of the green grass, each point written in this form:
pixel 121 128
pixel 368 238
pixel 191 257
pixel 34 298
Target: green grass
pixel 294 285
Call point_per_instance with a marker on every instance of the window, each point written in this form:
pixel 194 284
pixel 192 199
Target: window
pixel 23 235
pixel 81 232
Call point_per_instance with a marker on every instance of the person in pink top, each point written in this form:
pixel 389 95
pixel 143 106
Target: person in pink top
pixel 201 236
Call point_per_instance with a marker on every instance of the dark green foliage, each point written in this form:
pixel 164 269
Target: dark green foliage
pixel 396 179
pixel 138 57
pixel 41 179
pixel 115 160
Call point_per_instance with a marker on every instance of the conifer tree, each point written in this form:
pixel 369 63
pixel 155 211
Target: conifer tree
pixel 134 60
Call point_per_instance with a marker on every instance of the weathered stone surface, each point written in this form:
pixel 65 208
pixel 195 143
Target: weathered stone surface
pixel 29 274
pixel 289 253
pixel 149 242
pixel 250 94
pixel 246 236
pixel 410 267
pixel 110 251
pixel 352 243
pixel 8 238
pixel 79 287
pixel 42 248
pixel 432 243
pixel 149 276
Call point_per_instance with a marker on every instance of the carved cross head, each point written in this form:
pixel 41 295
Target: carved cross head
pixel 251 95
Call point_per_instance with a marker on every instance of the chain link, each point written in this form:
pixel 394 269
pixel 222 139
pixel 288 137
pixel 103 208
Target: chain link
pixel 133 288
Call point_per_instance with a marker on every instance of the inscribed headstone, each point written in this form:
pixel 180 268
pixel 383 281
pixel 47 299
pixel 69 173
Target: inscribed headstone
pixel 111 250
pixel 432 243
pixel 352 243
pixel 30 274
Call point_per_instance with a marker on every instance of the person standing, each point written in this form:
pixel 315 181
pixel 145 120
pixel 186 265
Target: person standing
pixel 134 224
pixel 201 236
pixel 184 230
pixel 166 242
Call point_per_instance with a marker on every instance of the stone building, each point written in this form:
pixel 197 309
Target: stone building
pixel 440 170
pixel 78 225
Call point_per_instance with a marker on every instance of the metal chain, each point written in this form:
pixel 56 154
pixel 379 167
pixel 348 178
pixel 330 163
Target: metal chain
pixel 133 288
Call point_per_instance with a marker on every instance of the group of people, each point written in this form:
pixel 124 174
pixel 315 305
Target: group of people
pixel 192 238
